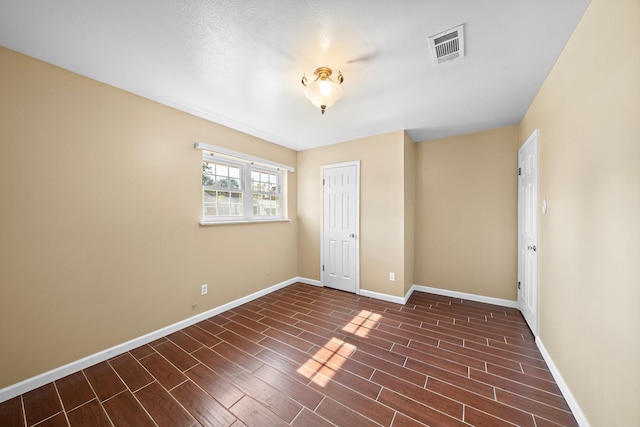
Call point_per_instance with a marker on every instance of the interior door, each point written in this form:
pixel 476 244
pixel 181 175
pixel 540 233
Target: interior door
pixel 528 231
pixel 340 227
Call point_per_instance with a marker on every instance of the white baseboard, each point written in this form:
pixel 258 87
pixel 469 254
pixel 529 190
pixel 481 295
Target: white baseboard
pixel 309 281
pixel 564 387
pixel 383 297
pixel 463 295
pixel 61 372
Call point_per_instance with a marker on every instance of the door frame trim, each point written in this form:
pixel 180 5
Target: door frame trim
pixel 533 138
pixel 355 163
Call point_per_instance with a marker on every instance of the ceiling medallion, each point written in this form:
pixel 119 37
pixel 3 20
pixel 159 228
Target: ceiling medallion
pixel 323 92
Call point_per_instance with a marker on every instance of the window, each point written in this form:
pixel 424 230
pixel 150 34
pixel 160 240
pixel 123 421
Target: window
pixel 234 189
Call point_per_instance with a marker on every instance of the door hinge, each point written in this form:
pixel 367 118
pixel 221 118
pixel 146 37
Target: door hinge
pixel 322 267
pixel 519 171
pixel 322 181
pixel 519 285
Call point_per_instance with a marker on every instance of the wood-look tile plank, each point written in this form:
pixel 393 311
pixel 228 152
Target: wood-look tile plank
pixel 201 335
pixel 41 403
pixel 252 324
pixel 341 415
pixel 218 320
pixel 310 419
pixel 185 342
pixel 539 395
pixel 298 342
pixel 401 420
pixel 104 380
pixel 285 365
pixel 544 374
pixel 522 378
pixel 11 412
pixel 222 390
pixel 441 362
pixel 357 402
pixel 177 356
pixel 162 407
pixel 434 332
pixel 142 351
pixel 419 394
pixel 89 414
pixel 254 414
pixel 244 331
pixel 124 410
pixel 74 390
pixel 306 396
pixel 58 420
pixel 427 352
pixel 163 371
pixel 239 357
pixel 541 410
pixel 134 375
pixel 447 376
pixel 271 398
pixel 219 364
pixel 481 356
pixel 492 407
pixel 270 322
pixel 240 342
pixel 507 355
pixel 210 327
pixel 417 411
pixel 278 313
pixel 481 419
pixel 390 368
pixel 248 310
pixel 420 337
pixel 203 407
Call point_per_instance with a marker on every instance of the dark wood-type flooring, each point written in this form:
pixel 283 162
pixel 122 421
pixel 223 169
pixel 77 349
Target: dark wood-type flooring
pixel 310 356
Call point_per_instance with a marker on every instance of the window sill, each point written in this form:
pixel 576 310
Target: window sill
pixel 245 221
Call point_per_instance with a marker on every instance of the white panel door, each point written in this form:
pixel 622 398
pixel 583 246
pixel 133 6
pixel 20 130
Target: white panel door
pixel 528 231
pixel 340 227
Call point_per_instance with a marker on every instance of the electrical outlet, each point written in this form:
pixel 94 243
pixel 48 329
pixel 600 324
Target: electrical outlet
pixel 203 289
pixel 392 276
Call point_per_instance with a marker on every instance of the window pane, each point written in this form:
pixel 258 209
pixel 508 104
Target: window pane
pixel 264 205
pixel 264 182
pixel 234 172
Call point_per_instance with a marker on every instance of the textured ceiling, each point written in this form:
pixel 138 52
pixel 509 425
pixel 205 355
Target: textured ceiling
pixel 239 63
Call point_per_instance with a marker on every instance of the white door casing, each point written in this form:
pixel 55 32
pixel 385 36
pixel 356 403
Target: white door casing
pixel 528 231
pixel 341 213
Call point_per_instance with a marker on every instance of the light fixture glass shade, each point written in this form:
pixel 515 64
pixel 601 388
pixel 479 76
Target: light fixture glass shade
pixel 323 92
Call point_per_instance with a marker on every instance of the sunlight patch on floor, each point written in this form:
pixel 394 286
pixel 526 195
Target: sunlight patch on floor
pixel 362 323
pixel 327 361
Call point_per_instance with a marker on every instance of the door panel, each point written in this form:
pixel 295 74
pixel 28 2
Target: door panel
pixel 340 227
pixel 528 231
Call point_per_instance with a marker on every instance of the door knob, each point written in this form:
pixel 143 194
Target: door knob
pixel 352 235
pixel 531 248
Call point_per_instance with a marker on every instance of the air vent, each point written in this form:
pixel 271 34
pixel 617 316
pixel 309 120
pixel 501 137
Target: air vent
pixel 447 45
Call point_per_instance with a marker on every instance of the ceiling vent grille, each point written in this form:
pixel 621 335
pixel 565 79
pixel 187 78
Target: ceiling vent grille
pixel 447 45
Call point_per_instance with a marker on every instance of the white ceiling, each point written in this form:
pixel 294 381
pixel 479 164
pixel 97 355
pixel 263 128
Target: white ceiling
pixel 239 63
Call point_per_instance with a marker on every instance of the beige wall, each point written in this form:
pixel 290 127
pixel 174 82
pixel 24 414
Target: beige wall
pixel 588 113
pixel 409 211
pixel 381 209
pixel 466 220
pixel 99 210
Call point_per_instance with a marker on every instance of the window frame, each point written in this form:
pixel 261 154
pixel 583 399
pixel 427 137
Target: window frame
pixel 246 189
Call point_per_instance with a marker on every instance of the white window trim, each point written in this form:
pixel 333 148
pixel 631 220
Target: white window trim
pixel 242 156
pixel 247 164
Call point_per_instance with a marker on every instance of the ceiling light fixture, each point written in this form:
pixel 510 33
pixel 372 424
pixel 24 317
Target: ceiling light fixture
pixel 323 92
